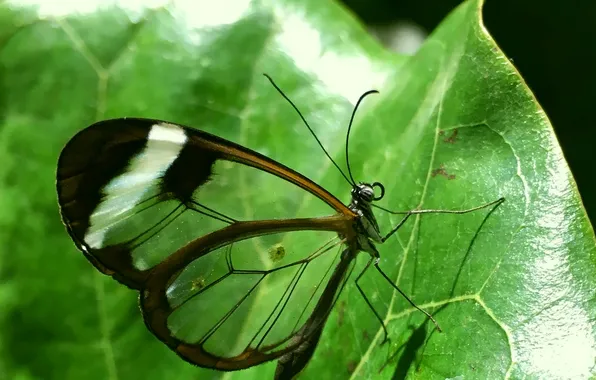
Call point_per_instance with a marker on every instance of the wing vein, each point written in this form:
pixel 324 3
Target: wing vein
pixel 229 313
pixel 217 215
pixel 158 230
pixel 294 281
pixel 313 293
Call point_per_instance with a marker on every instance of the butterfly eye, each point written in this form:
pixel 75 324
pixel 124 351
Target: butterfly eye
pixel 381 189
pixel 364 191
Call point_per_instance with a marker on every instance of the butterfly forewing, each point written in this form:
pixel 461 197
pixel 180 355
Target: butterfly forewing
pixel 133 191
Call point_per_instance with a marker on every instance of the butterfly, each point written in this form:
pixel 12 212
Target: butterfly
pixel 162 208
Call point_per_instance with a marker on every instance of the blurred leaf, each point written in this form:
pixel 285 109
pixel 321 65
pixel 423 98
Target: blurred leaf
pixel 454 127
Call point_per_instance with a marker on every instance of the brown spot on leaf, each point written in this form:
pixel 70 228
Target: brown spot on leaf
pixel 442 172
pixel 451 138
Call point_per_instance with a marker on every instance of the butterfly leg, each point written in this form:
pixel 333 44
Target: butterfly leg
pixel 413 212
pixel 406 297
pixel 370 261
pixel 401 223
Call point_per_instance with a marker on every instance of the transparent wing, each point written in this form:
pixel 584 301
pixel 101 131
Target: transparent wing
pixel 249 301
pixel 134 191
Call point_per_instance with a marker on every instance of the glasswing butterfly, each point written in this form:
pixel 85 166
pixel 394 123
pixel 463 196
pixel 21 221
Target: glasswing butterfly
pixel 155 205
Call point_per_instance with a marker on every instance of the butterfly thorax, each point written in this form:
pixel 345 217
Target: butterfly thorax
pixel 367 227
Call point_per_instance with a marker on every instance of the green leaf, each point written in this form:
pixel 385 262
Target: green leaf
pixel 454 127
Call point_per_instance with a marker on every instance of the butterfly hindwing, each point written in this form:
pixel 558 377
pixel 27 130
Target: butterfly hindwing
pixel 247 306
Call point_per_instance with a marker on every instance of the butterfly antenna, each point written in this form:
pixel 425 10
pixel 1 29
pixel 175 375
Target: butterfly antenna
pixel 310 129
pixel 350 128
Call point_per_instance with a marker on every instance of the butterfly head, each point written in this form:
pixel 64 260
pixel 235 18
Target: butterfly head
pixel 366 191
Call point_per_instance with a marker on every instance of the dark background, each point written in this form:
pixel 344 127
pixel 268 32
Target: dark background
pixel 551 42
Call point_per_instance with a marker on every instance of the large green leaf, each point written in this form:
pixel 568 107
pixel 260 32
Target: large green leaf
pixel 454 127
